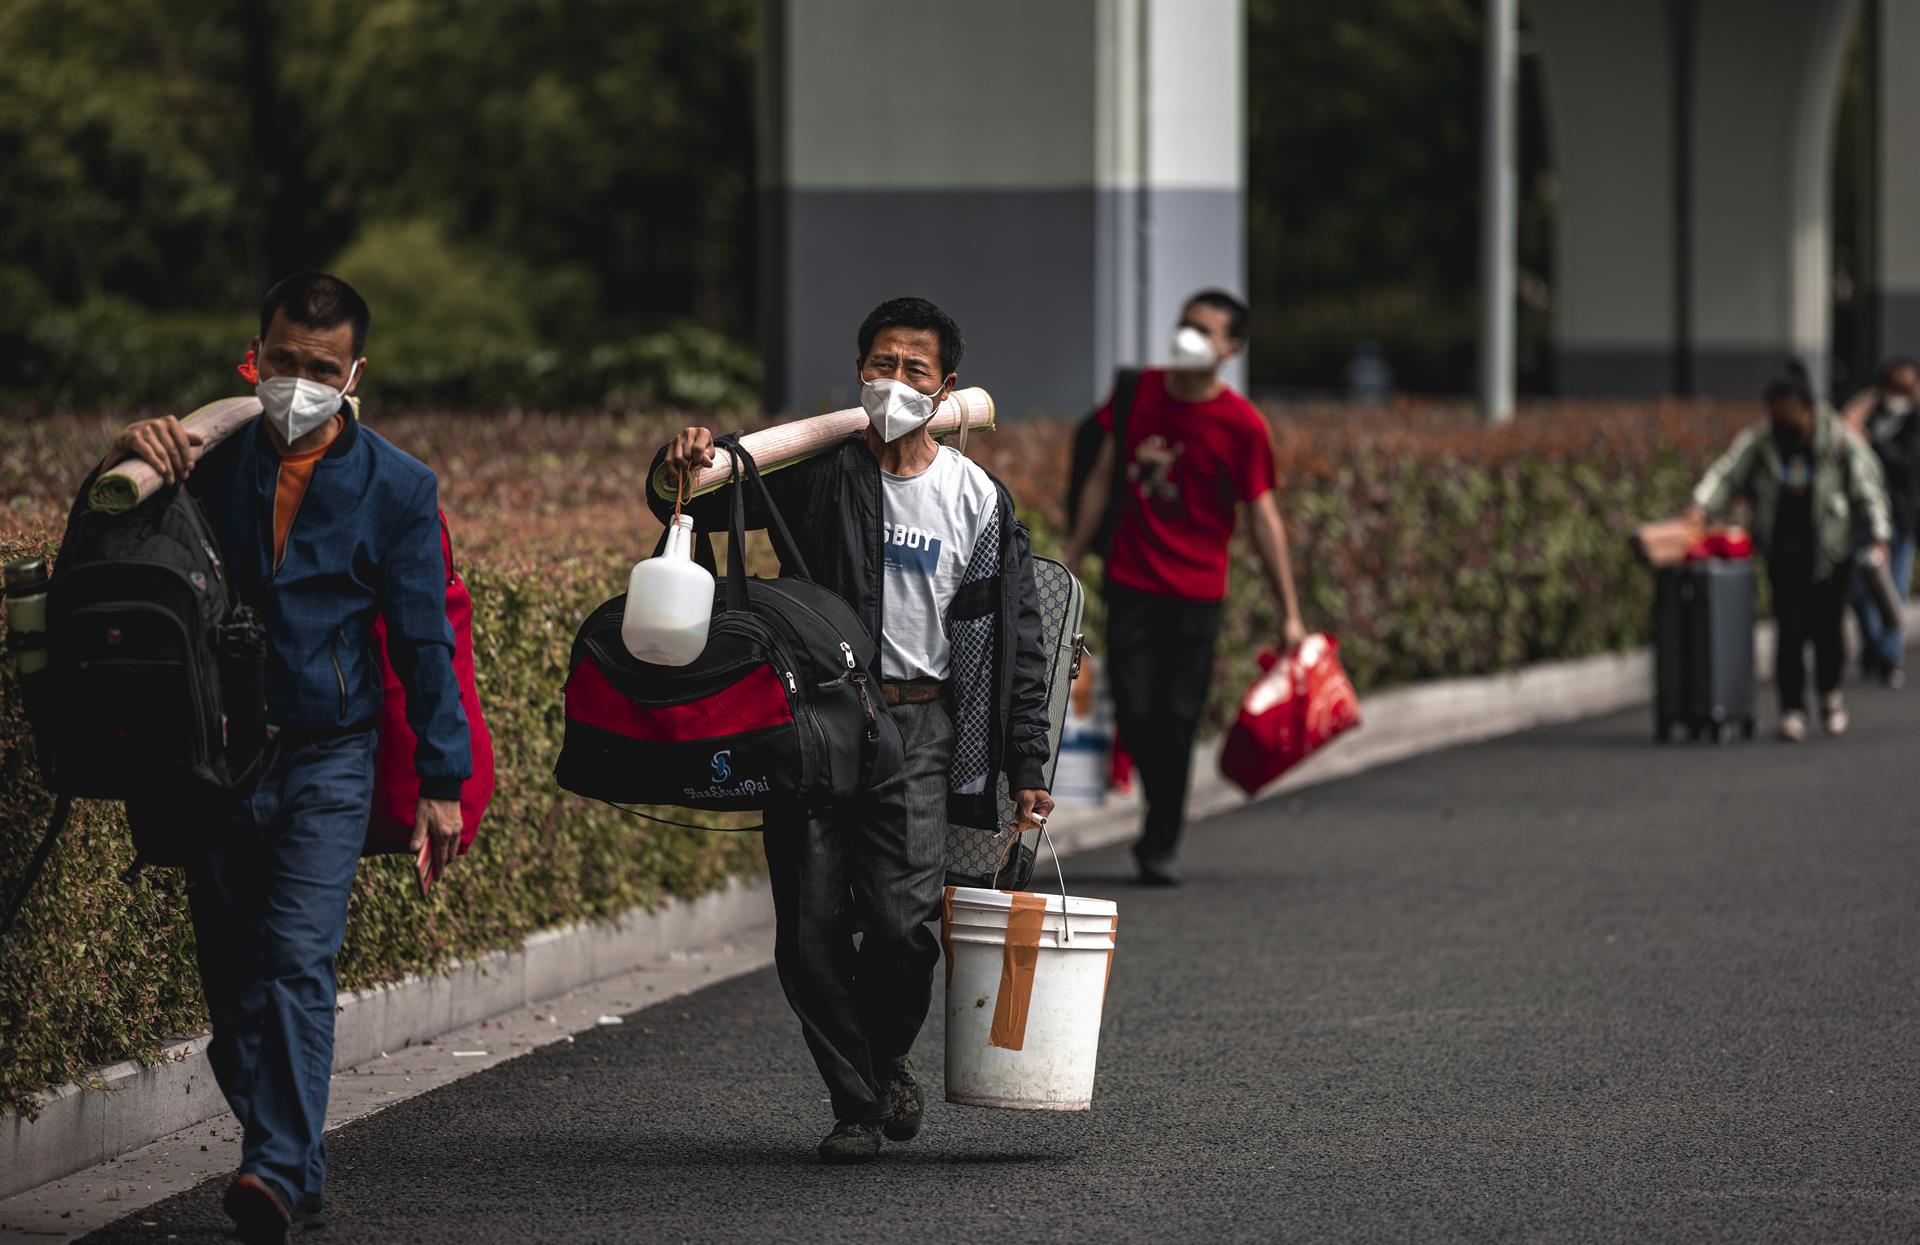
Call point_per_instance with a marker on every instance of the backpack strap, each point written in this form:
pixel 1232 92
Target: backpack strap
pixel 446 546
pixel 61 807
pixel 1126 388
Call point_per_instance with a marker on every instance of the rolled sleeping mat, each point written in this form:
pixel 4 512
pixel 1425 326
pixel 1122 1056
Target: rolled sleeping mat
pixel 131 481
pixel 801 439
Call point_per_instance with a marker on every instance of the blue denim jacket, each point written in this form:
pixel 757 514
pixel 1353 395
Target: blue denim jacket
pixel 365 542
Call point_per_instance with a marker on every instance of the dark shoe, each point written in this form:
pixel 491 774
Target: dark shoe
pixel 851 1142
pixel 1893 678
pixel 907 1106
pixel 1158 872
pixel 312 1213
pixel 259 1211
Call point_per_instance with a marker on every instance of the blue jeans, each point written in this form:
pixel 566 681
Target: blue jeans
pixel 1885 647
pixel 269 912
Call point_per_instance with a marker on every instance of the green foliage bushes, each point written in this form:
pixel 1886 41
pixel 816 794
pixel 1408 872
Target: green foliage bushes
pixel 538 205
pixel 108 352
pixel 1431 546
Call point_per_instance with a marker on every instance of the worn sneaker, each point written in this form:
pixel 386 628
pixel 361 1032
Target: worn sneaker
pixel 1833 714
pixel 1793 727
pixel 1159 872
pixel 851 1142
pixel 906 1105
pixel 259 1212
pixel 1893 678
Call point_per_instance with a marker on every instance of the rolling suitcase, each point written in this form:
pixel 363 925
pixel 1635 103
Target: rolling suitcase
pixel 1703 649
pixel 993 856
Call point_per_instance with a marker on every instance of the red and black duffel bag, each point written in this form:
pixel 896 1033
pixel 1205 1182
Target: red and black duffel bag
pixel 782 711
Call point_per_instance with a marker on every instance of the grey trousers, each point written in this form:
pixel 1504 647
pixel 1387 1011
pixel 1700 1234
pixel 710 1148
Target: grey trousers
pixel 877 865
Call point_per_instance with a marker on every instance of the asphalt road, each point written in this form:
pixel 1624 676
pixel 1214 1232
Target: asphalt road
pixel 1563 986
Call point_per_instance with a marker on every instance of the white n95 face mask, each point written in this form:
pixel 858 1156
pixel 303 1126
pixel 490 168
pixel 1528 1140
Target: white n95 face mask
pixel 895 408
pixel 1193 350
pixel 295 406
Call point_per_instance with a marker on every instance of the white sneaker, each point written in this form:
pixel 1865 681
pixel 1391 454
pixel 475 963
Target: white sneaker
pixel 1894 679
pixel 1793 727
pixel 1833 714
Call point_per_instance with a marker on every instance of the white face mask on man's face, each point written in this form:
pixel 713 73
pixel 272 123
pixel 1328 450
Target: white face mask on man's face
pixel 895 408
pixel 295 406
pixel 1193 350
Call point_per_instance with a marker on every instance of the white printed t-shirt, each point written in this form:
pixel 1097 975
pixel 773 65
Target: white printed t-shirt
pixel 932 522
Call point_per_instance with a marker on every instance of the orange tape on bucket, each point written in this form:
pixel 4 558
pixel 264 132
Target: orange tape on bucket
pixel 1113 933
pixel 1025 923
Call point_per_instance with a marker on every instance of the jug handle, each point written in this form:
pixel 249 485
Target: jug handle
pixel 677 544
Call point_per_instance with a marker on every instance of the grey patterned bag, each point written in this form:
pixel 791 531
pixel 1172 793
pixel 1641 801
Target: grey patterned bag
pixel 994 856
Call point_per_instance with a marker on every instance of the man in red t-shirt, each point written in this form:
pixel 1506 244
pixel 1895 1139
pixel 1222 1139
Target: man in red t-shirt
pixel 1195 452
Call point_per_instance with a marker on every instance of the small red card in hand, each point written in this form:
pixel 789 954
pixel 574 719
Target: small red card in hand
pixel 425 869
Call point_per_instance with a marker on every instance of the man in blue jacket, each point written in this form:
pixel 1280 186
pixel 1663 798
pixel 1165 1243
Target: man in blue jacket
pixel 323 525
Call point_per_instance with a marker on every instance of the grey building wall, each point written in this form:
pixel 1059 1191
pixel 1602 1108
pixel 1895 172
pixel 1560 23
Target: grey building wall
pixel 1609 96
pixel 1897 288
pixel 1057 175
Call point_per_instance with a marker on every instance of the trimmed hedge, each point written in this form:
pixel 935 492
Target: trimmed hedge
pixel 1434 547
pixel 1431 546
pixel 98 971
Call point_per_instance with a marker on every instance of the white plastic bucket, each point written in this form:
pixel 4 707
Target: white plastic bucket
pixel 1023 1011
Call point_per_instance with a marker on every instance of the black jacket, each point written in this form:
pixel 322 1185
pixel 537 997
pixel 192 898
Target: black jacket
pixel 1896 441
pixel 832 505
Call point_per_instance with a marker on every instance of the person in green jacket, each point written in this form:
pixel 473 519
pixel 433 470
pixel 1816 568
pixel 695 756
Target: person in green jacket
pixel 1815 492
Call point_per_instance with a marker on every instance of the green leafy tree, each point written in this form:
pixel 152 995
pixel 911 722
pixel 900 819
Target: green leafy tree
pixel 606 136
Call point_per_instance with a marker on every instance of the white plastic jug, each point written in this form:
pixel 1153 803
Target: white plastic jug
pixel 669 603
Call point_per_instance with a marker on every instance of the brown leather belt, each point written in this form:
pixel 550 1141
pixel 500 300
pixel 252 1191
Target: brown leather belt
pixel 915 692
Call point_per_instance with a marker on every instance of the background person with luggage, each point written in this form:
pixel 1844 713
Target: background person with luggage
pixel 926 548
pixel 1886 416
pixel 1178 460
pixel 1815 492
pixel 324 525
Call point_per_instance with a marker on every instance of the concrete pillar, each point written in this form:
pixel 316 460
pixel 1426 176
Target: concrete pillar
pixel 1608 80
pixel 1896 285
pixel 1057 175
pixel 1693 141
pixel 1765 92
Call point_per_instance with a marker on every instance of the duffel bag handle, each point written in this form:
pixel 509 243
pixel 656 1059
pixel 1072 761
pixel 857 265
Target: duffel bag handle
pixel 789 553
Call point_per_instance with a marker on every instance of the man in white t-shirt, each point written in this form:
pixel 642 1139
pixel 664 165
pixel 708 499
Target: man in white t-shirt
pixel 933 523
pixel 926 548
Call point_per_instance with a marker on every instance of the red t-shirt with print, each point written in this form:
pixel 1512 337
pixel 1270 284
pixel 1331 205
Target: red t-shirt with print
pixel 1189 465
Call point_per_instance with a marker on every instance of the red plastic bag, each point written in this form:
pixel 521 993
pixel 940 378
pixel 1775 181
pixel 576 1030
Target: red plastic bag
pixel 1722 542
pixel 1119 767
pixel 396 786
pixel 1297 705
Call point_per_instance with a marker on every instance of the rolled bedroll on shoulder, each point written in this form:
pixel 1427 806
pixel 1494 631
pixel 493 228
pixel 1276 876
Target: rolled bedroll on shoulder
pixel 131 481
pixel 799 439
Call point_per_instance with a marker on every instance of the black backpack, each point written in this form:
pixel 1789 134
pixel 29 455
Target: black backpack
pixel 1086 450
pixel 154 690
pixel 782 711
